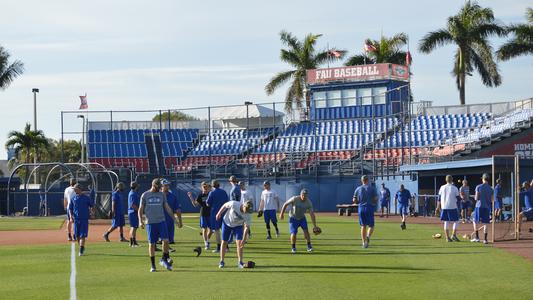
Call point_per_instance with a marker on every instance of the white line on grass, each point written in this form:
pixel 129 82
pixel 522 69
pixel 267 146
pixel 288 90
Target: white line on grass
pixel 190 227
pixel 73 272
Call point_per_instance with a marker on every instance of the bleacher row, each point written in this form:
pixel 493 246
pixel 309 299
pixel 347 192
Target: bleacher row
pixel 185 149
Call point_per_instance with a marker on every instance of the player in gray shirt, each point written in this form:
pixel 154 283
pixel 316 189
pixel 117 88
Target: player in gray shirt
pixel 299 206
pixel 153 202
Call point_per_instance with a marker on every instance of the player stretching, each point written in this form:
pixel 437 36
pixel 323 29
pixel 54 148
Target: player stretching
pixel 133 212
pixel 448 195
pixel 299 206
pixel 204 211
pixel 117 212
pixel 174 204
pixel 268 206
pixel 79 208
pixel 247 196
pixel 216 198
pixel 69 193
pixel 153 205
pixel 366 197
pixel 483 197
pixel 384 200
pixel 234 219
pixel 402 199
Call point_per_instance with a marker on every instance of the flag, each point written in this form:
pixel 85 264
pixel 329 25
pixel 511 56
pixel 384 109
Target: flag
pixel 369 47
pixel 334 53
pixel 408 58
pixel 83 104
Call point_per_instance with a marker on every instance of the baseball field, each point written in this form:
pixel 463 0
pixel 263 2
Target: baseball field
pixel 398 264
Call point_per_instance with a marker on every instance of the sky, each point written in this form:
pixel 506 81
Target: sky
pixel 173 54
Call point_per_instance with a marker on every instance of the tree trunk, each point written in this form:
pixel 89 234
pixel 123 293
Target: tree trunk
pixel 462 78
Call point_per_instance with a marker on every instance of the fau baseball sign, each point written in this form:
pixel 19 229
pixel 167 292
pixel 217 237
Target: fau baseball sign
pixel 358 73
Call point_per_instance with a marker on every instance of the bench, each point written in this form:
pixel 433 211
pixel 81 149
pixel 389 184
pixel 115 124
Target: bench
pixel 346 209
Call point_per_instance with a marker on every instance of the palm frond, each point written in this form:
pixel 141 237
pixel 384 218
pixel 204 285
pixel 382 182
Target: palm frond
pixel 435 39
pixel 278 80
pixel 358 59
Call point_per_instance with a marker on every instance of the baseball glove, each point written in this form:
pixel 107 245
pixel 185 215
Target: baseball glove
pixel 198 251
pixel 317 230
pixel 249 264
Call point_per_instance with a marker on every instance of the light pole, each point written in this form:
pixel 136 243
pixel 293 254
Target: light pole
pixel 248 103
pixel 82 117
pixel 35 91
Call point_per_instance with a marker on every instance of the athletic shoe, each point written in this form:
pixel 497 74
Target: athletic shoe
pixel 221 265
pixel 293 250
pixel 365 245
pixel 171 250
pixel 475 240
pixel 240 265
pixel 152 270
pixel 485 242
pixel 106 237
pixel 277 233
pixel 69 238
pixel 449 240
pixel 402 226
pixel 455 238
pixel 124 240
pixel 216 251
pixel 309 249
pixel 269 237
pixel 367 241
pixel 136 245
pixel 80 254
pixel 207 247
pixel 165 264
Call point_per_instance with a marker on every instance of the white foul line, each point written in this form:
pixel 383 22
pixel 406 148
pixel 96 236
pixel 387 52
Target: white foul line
pixel 190 227
pixel 73 272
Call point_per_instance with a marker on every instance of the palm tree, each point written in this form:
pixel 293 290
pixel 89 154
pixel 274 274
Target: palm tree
pixel 388 50
pixel 301 55
pixel 469 30
pixel 8 72
pixel 27 142
pixel 522 43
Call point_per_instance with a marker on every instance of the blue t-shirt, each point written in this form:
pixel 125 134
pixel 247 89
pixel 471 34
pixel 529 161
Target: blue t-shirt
pixel 216 199
pixel 384 194
pixel 365 195
pixel 133 199
pixel 235 193
pixel 79 206
pixel 173 203
pixel 498 193
pixel 485 195
pixel 116 197
pixel 403 196
pixel 528 198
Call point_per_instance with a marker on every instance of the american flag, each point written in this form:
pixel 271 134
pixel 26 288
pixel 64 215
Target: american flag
pixel 408 58
pixel 369 47
pixel 83 104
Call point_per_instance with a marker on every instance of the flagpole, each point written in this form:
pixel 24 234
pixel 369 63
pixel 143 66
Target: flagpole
pixel 327 46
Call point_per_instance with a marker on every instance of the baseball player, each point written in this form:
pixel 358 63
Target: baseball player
pixel 234 215
pixel 205 211
pixel 68 194
pixel 174 204
pixel 216 198
pixel 79 210
pixel 366 197
pixel 268 207
pixel 133 212
pixel 117 213
pixel 299 206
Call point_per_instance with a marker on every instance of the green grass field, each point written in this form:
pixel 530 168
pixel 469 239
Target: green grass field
pixel 30 223
pixel 398 265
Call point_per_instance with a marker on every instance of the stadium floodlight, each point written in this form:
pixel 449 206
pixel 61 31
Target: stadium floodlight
pixel 248 103
pixel 82 117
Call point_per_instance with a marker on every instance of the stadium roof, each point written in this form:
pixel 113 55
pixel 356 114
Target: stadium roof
pixel 471 163
pixel 239 112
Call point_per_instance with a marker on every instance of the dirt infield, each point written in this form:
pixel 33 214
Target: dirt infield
pixel 524 247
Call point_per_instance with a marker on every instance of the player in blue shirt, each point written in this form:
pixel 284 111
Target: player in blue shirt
pixel 216 198
pixel 483 198
pixel 402 199
pixel 366 197
pixel 117 212
pixel 498 200
pixel 527 212
pixel 235 193
pixel 175 205
pixel 80 210
pixel 384 200
pixel 133 212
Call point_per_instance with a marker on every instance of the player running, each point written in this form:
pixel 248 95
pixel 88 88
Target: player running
pixel 268 207
pixel 402 199
pixel 234 216
pixel 174 204
pixel 79 210
pixel 133 212
pixel 205 211
pixel 384 200
pixel 117 212
pixel 483 197
pixel 216 198
pixel 68 194
pixel 366 197
pixel 299 206
pixel 448 195
pixel 153 205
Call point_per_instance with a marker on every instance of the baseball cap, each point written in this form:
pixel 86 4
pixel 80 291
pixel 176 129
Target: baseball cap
pixel 266 182
pixel 165 182
pixel 364 178
pixel 303 191
pixel 485 176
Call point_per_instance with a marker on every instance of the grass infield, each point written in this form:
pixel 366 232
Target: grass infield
pixel 30 223
pixel 398 265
